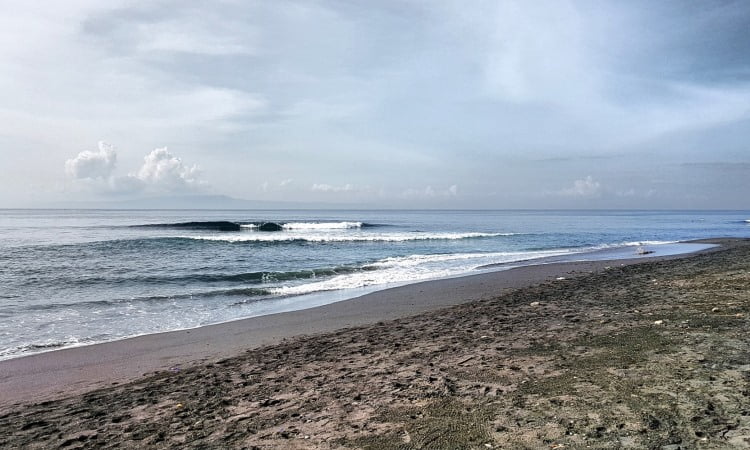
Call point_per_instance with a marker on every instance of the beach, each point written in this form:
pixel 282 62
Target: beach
pixel 601 354
pixel 375 225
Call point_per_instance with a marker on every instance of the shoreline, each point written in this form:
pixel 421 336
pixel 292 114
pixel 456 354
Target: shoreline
pixel 671 249
pixel 75 370
pixel 650 355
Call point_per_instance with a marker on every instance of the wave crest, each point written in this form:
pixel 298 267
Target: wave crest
pixel 391 237
pixel 216 225
pixel 315 226
pixel 225 225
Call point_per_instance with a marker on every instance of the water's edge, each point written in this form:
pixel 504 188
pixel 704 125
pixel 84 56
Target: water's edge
pixel 301 303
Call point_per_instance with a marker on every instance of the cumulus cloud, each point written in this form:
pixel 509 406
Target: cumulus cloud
pixel 161 172
pixel 164 171
pixel 93 165
pixel 586 187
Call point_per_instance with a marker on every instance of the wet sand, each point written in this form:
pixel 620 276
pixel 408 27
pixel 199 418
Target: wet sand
pixel 645 355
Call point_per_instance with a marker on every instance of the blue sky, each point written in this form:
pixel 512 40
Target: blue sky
pixel 484 104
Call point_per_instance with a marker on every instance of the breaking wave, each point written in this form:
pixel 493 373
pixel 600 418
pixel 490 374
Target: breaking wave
pixel 310 225
pixel 244 292
pixel 199 278
pixel 223 225
pixel 389 237
pixel 628 244
pixel 412 268
pixel 220 225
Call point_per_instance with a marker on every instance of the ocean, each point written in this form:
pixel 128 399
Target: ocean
pixel 76 277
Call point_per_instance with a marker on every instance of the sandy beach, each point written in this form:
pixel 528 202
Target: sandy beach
pixel 601 354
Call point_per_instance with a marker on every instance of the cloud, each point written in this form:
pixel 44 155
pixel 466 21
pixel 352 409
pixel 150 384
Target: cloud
pixel 93 165
pixel 191 35
pixel 272 187
pixel 355 91
pixel 587 187
pixel 117 68
pixel 429 192
pixel 329 188
pixel 514 70
pixel 163 171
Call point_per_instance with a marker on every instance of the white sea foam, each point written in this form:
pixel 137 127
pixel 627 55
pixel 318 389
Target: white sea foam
pixel 321 225
pixel 405 269
pixel 330 237
pixel 310 226
pixel 412 268
pixel 629 244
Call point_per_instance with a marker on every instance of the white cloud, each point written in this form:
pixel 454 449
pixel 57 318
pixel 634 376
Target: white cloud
pixel 161 170
pixel 429 192
pixel 192 35
pixel 93 165
pixel 586 187
pixel 329 188
pixel 267 186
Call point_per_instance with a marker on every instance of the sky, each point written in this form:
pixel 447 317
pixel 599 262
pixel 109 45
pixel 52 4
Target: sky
pixel 387 104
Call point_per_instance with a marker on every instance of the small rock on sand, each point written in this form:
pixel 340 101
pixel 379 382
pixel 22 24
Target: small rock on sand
pixel 534 304
pixel 658 322
pixel 671 447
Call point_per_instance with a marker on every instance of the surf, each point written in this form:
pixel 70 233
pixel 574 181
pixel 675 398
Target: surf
pixel 225 225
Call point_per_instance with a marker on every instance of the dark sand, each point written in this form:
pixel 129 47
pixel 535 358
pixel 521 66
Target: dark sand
pixel 652 355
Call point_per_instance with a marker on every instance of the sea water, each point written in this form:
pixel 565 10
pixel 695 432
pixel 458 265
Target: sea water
pixel 75 277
